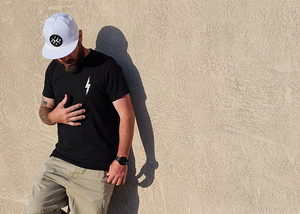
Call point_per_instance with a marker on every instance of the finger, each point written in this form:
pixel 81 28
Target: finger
pixel 119 182
pixel 64 101
pixel 109 177
pixel 74 124
pixel 114 181
pixel 74 107
pixel 74 119
pixel 77 113
pixel 123 181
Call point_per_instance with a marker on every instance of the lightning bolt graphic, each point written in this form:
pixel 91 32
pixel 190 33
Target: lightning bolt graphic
pixel 87 86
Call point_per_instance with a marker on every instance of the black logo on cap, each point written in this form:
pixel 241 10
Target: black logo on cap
pixel 56 40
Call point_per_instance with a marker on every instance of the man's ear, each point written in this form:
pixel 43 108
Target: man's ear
pixel 80 36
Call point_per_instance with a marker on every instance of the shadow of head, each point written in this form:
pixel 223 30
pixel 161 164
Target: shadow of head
pixel 112 42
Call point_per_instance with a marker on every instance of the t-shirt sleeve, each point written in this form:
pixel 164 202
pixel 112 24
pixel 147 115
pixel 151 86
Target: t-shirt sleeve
pixel 48 89
pixel 115 82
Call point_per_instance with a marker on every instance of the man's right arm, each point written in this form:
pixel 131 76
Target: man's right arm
pixel 51 114
pixel 46 107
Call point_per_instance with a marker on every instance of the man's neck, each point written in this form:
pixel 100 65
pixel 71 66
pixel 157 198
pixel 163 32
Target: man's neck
pixel 86 51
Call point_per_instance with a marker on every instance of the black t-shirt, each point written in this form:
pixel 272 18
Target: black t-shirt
pixel 94 144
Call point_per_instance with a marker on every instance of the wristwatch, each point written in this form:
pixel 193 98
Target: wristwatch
pixel 122 160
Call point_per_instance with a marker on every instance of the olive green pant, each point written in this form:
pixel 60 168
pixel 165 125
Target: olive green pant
pixel 62 184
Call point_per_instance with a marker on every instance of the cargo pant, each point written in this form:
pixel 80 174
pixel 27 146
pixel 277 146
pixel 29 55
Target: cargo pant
pixel 62 184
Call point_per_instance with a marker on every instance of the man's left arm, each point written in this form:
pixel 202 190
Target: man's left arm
pixel 117 172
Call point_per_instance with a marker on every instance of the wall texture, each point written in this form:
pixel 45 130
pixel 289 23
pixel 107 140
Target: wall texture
pixel 216 92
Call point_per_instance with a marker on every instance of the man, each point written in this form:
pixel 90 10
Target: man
pixel 86 95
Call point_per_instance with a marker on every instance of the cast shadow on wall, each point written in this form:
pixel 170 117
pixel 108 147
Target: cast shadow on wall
pixel 125 200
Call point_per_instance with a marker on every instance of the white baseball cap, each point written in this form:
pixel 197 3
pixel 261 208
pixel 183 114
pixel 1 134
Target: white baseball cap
pixel 61 36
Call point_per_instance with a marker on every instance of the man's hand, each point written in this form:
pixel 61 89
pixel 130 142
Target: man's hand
pixel 69 115
pixel 117 173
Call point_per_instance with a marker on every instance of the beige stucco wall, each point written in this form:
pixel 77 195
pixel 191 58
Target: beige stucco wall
pixel 216 91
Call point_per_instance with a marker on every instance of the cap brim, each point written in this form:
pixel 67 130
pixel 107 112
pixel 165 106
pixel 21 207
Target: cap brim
pixel 57 53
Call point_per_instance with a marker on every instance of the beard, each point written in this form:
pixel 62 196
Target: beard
pixel 76 63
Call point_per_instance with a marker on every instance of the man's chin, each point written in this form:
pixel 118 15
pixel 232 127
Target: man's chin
pixel 72 69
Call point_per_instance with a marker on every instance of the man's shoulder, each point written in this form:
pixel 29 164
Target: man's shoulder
pixel 53 66
pixel 96 58
pixel 99 55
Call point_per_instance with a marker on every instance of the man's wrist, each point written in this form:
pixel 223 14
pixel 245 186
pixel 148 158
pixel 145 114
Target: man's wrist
pixel 45 116
pixel 122 160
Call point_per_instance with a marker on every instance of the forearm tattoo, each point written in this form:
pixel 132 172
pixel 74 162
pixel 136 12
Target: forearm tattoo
pixel 44 102
pixel 44 111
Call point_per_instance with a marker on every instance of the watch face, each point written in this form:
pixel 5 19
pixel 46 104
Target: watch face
pixel 122 160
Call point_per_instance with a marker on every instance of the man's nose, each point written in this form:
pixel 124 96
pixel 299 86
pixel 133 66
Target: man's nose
pixel 65 59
